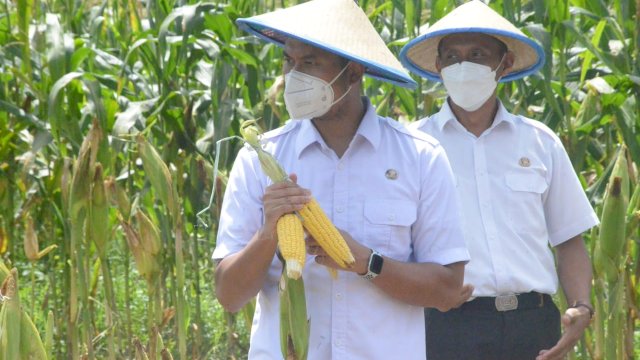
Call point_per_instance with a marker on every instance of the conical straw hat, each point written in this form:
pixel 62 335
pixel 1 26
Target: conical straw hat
pixel 419 55
pixel 337 26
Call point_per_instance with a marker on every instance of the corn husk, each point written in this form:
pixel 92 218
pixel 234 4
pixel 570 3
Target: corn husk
pixel 118 197
pixel 294 323
pixel 141 354
pixel 98 225
pixel 19 338
pixel 4 240
pixel 31 246
pixel 80 188
pixel 270 166
pixel 146 263
pixel 612 239
pixel 149 234
pixel 10 318
pixel 159 176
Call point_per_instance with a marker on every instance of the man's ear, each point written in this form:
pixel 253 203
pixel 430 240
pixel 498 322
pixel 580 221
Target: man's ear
pixel 356 72
pixel 438 66
pixel 507 64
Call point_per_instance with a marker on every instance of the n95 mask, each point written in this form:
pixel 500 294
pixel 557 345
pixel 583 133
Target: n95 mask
pixel 469 84
pixel 307 96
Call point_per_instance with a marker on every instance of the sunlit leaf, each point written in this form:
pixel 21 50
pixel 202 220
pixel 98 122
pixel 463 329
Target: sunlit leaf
pixel 133 114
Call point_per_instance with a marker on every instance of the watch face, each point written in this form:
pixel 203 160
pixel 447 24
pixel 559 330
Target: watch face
pixel 375 266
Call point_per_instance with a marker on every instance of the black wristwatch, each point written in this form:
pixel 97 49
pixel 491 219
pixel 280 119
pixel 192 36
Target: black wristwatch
pixel 577 304
pixel 375 265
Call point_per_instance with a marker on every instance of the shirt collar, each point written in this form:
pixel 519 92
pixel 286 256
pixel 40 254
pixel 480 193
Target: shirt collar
pixel 445 116
pixel 369 129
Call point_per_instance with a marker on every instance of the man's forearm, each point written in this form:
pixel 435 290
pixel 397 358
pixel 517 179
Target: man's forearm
pixel 239 277
pixel 574 270
pixel 422 284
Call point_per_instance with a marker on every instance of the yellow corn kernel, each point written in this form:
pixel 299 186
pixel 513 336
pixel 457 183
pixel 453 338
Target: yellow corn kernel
pixel 291 244
pixel 325 233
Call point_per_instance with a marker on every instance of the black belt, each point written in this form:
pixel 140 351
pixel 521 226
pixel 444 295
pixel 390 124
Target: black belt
pixel 530 300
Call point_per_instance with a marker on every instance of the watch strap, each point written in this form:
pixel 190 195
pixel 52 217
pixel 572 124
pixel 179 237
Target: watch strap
pixel 374 266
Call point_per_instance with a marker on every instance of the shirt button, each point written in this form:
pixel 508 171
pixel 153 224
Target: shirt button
pixel 391 217
pixel 339 343
pixel 338 296
pixel 340 166
pixel 339 209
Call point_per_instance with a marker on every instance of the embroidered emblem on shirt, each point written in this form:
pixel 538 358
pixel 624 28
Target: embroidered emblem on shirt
pixel 391 174
pixel 524 161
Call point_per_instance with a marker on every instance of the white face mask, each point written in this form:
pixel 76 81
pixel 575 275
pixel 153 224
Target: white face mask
pixel 469 84
pixel 307 96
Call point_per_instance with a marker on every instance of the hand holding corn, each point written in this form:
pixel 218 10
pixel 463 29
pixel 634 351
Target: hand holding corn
pixel 290 235
pixel 360 252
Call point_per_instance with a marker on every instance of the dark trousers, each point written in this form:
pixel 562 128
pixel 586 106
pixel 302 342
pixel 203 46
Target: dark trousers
pixel 483 333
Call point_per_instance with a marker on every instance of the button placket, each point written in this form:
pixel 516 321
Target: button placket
pixel 486 211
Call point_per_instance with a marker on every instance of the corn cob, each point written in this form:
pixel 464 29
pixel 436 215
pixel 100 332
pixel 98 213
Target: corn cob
pixel 149 234
pixel 80 189
pixel 140 353
pixel 291 244
pixel 314 220
pixel 159 176
pixel 10 318
pixel 612 228
pixel 320 227
pixel 4 240
pixel 19 338
pixel 146 262
pixel 31 246
pixel 99 213
pixel 165 354
pixel 633 211
pixel 117 197
pixel 294 323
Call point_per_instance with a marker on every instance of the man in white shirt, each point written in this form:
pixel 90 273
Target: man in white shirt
pixel 518 192
pixel 389 190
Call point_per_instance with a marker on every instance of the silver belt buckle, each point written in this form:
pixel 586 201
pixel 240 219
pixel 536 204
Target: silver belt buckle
pixel 506 302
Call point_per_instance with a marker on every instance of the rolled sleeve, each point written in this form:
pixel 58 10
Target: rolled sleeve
pixel 567 209
pixel 242 211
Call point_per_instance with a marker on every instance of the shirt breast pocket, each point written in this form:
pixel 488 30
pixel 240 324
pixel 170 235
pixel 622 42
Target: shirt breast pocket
pixel 525 200
pixel 387 227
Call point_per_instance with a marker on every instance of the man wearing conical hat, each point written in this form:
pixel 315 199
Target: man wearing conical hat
pixel 389 190
pixel 518 192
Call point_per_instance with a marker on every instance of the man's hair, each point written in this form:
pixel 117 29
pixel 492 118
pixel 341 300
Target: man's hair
pixel 501 44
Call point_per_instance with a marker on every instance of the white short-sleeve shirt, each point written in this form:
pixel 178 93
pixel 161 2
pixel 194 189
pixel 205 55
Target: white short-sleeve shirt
pixel 393 191
pixel 518 193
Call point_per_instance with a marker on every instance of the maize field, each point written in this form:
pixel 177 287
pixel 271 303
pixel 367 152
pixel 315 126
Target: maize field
pixel 110 112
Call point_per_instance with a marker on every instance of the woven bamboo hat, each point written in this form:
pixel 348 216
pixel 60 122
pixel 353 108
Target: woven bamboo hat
pixel 419 55
pixel 337 26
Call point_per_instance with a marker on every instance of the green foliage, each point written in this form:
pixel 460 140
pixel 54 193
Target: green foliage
pixel 181 75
